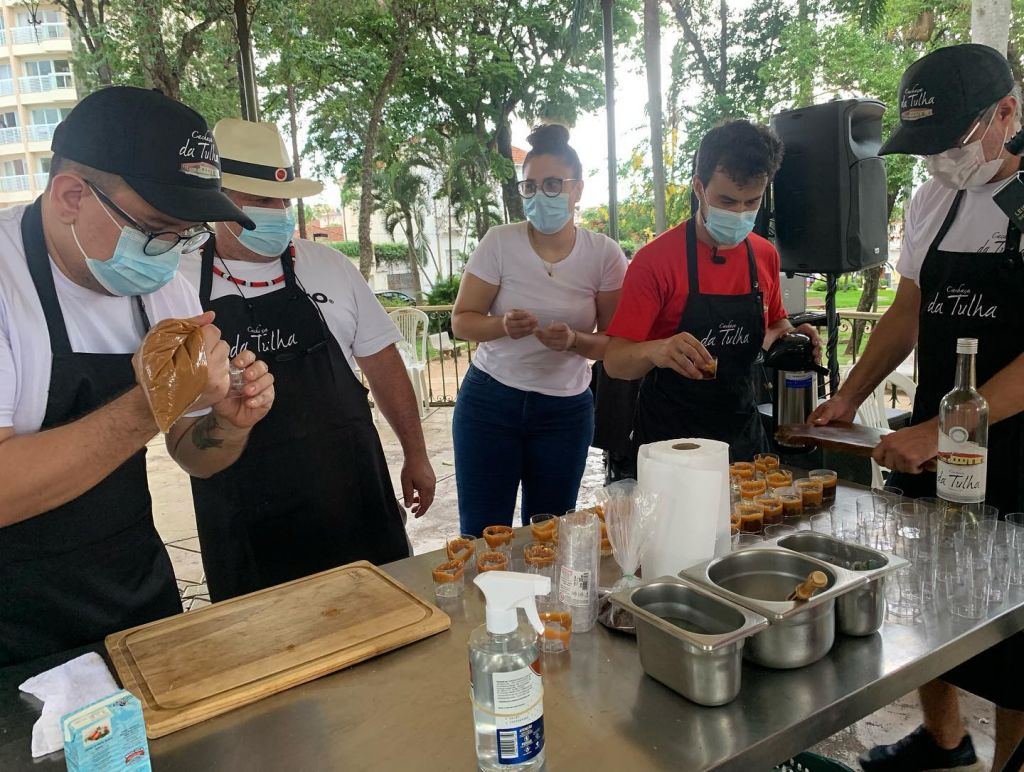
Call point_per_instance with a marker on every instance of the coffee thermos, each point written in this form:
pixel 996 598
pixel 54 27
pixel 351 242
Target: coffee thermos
pixel 796 383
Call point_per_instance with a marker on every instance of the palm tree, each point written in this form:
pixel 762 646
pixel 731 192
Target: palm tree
pixel 652 57
pixel 400 195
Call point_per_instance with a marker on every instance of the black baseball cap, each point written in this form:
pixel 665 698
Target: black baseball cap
pixel 161 148
pixel 943 93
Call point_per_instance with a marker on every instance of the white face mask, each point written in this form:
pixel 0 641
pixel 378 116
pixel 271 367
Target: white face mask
pixel 965 167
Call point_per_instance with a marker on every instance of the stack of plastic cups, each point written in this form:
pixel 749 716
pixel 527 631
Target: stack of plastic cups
pixel 1015 547
pixel 906 589
pixel 579 538
pixel 968 587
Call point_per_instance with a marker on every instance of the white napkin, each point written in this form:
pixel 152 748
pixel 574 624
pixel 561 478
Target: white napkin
pixel 64 689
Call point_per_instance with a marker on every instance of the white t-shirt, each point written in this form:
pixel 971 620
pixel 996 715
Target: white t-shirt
pixel 505 257
pixel 96 324
pixel 980 225
pixel 354 315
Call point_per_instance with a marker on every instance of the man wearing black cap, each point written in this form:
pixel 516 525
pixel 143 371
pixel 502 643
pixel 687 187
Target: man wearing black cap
pixel 963 276
pixel 83 272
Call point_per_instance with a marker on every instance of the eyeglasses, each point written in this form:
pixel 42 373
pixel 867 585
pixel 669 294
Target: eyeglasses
pixel 549 186
pixel 163 241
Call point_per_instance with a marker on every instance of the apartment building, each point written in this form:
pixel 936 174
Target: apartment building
pixel 37 90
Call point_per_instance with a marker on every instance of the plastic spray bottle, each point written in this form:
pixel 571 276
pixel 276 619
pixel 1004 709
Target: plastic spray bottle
pixel 504 671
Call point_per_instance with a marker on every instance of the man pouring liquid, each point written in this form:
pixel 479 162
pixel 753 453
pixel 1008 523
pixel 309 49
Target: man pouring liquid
pixel 701 301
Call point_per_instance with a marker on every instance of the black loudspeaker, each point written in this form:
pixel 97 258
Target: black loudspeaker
pixel 831 214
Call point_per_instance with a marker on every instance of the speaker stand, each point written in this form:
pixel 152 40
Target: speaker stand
pixel 832 322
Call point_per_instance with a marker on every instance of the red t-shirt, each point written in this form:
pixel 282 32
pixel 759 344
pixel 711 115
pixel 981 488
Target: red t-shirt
pixel 656 286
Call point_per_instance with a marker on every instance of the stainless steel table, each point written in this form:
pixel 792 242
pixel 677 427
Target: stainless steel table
pixel 410 710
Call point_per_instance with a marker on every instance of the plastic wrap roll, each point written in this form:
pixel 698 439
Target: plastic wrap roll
pixel 691 479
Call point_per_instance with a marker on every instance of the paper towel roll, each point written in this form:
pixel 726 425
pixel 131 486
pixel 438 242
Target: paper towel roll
pixel 691 478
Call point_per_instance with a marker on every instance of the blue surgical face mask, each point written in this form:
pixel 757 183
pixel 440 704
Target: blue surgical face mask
pixel 729 228
pixel 546 214
pixel 273 233
pixel 130 271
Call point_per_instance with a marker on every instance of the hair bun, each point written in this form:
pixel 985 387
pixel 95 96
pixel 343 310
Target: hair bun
pixel 549 137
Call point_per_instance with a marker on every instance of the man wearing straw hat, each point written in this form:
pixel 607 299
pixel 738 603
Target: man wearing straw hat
pixel 312 489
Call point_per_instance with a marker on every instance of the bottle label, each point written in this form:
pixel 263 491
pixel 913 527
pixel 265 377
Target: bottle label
pixel 961 467
pixel 574 587
pixel 519 714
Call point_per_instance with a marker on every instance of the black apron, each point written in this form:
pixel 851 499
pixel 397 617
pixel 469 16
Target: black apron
pixel 311 490
pixel 975 295
pixel 95 565
pixel 732 328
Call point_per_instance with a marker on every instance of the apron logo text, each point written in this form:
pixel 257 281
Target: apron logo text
pixel 962 301
pixel 263 342
pixel 728 334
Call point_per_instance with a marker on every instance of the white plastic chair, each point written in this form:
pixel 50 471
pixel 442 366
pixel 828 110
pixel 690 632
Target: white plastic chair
pixel 872 412
pixel 443 343
pixel 413 325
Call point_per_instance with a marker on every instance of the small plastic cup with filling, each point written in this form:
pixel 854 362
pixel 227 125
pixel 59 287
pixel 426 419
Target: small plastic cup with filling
pixel 461 547
pixel 772 506
pixel 751 489
pixel 742 469
pixel 829 479
pixel 544 528
pixel 765 463
pixel 492 561
pixel 792 503
pixel 540 558
pixel 779 478
pixel 557 618
pixel 751 517
pixel 812 492
pixel 449 579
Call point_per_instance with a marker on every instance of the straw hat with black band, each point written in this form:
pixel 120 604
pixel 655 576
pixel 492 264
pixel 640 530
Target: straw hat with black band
pixel 254 160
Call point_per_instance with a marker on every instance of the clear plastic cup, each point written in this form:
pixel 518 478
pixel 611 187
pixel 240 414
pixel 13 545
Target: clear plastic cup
pixel 557 619
pixel 843 519
pixel 462 547
pixel 1000 568
pixel 968 587
pixel 541 558
pixel 492 561
pixel 779 478
pixel 544 528
pixel 751 489
pixel 873 521
pixel 812 492
pixel 744 540
pixel 765 463
pixel 498 536
pixel 778 531
pixel 744 470
pixel 888 490
pixel 792 503
pixel 829 481
pixel 449 579
pixel 772 508
pixel 822 523
pixel 751 517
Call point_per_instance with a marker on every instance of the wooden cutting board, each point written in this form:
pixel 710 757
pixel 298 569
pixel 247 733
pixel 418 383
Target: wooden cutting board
pixel 855 439
pixel 839 436
pixel 191 667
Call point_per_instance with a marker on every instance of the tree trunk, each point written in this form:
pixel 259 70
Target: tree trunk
pixel 294 126
pixel 652 55
pixel 414 260
pixel 608 31
pixel 990 23
pixel 369 150
pixel 510 185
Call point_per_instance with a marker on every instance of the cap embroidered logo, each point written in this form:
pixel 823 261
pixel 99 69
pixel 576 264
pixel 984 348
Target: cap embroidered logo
pixel 201 169
pixel 916 104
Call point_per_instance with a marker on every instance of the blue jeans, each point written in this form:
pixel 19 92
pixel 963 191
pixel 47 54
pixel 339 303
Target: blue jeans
pixel 504 436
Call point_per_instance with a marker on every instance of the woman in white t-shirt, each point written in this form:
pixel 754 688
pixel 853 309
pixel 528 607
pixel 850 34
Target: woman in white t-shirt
pixel 537 297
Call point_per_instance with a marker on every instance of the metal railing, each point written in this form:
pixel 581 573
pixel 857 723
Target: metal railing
pixel 41 132
pixel 6 87
pixel 41 179
pixel 15 183
pixel 855 327
pixel 445 368
pixel 34 84
pixel 10 136
pixel 39 33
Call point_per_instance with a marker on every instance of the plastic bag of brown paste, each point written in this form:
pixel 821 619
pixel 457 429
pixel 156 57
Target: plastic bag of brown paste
pixel 173 371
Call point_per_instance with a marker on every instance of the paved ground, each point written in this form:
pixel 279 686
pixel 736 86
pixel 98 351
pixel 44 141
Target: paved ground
pixel 176 523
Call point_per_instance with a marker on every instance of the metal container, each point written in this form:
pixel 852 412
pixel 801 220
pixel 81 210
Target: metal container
pixel 690 639
pixel 860 611
pixel 760 579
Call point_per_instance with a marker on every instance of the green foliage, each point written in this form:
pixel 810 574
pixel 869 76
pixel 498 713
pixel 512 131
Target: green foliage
pixel 444 291
pixel 386 254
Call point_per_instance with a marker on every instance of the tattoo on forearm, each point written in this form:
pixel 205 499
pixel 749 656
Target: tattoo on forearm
pixel 202 433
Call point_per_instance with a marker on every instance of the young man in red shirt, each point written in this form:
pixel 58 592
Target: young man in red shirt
pixel 701 301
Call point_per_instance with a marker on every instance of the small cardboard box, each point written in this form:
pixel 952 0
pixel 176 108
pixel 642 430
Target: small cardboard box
pixel 108 735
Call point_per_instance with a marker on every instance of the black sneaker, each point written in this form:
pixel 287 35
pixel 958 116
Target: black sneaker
pixel 918 752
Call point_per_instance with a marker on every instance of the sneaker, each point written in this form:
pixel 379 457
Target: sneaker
pixel 918 752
